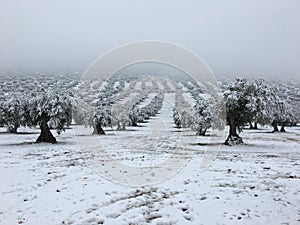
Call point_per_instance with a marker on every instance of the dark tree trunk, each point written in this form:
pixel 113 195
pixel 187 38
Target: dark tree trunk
pixel 12 130
pixel 133 120
pixel 46 135
pixel 233 138
pixel 178 125
pixel 134 123
pixel 251 126
pixel 275 126
pixel 282 128
pixel 98 129
pixel 123 126
pixel 201 132
pixel 255 126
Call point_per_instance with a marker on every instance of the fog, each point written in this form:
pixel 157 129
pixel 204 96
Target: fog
pixel 257 38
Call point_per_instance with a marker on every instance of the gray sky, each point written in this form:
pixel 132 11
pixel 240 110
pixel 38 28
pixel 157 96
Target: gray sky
pixel 249 37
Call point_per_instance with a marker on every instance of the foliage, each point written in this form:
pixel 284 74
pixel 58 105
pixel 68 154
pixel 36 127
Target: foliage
pixel 53 108
pixel 202 116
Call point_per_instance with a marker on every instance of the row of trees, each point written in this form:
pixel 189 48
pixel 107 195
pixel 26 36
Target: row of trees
pixel 122 114
pixel 45 109
pixel 55 110
pixel 149 110
pixel 246 103
pixel 255 102
pixel 198 117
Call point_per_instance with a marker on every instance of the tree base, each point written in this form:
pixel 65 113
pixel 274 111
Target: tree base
pixel 46 135
pixel 253 128
pixel 120 129
pixel 98 130
pixel 95 132
pixel 282 130
pixel 200 133
pixel 275 126
pixel 233 140
pixel 12 130
pixel 49 138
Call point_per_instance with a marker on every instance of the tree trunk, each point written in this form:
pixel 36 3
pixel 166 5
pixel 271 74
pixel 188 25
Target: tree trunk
pixel 134 123
pixel 255 126
pixel 250 125
pixel 12 130
pixel 133 120
pixel 282 128
pixel 233 138
pixel 201 132
pixel 98 129
pixel 46 135
pixel 119 126
pixel 275 126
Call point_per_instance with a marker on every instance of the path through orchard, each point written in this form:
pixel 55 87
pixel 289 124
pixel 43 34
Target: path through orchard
pixel 140 155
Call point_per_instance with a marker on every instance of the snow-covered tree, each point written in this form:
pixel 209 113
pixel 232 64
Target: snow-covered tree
pixel 256 102
pixel 10 113
pixel 48 109
pixel 261 97
pixel 133 117
pixel 276 109
pixel 13 111
pixel 237 112
pixel 120 116
pixel 284 115
pixel 184 109
pixel 151 109
pixel 176 118
pixel 187 117
pixel 202 117
pixel 101 119
pixel 97 117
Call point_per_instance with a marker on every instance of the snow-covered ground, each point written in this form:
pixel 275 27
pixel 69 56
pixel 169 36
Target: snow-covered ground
pixel 63 183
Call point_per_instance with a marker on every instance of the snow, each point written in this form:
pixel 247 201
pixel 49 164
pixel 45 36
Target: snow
pixel 116 84
pixel 103 85
pixel 189 98
pixel 170 85
pixel 205 96
pixel 128 98
pixel 138 85
pixel 148 83
pixel 160 85
pixel 147 100
pixel 256 183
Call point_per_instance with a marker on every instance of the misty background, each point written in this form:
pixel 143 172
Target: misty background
pixel 250 38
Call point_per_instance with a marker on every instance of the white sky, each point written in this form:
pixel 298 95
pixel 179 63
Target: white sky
pixel 234 37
